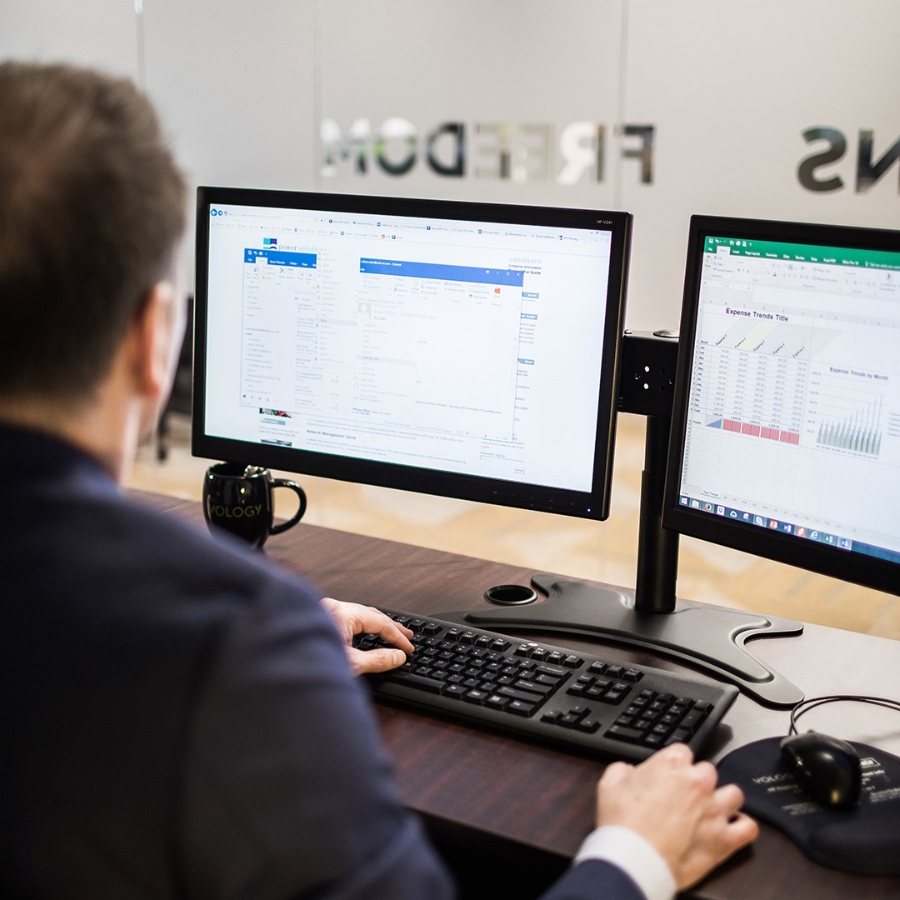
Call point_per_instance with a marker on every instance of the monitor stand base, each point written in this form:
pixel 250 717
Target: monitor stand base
pixel 709 638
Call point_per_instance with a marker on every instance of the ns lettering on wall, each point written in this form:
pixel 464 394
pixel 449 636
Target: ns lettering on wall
pixel 867 173
pixel 496 150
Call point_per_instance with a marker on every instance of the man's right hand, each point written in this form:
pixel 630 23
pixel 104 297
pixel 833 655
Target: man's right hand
pixel 673 803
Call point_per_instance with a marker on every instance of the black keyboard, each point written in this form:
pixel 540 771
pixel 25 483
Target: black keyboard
pixel 535 690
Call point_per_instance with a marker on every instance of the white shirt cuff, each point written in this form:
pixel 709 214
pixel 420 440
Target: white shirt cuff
pixel 635 856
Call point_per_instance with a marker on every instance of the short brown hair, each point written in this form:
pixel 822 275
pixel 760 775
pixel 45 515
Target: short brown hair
pixel 92 207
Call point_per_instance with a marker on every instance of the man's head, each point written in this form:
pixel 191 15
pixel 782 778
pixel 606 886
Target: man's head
pixel 91 211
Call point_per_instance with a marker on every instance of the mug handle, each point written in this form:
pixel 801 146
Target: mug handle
pixel 301 494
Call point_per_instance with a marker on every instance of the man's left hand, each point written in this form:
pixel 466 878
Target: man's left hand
pixel 354 618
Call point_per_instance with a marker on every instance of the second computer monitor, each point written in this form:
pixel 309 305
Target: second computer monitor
pixel 786 430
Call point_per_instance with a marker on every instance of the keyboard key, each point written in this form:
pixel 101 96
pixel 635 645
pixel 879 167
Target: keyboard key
pixel 542 690
pixel 521 707
pixel 424 684
pixel 514 694
pixel 691 720
pixel 624 733
pixel 547 669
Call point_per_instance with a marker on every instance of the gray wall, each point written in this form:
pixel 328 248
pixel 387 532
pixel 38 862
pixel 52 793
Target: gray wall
pixel 729 88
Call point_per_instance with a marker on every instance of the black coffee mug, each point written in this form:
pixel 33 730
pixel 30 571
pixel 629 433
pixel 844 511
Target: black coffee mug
pixel 238 499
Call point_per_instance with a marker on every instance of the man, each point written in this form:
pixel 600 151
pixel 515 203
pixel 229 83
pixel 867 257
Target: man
pixel 178 718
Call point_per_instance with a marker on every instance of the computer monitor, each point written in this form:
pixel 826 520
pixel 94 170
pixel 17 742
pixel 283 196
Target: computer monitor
pixel 460 349
pixel 786 428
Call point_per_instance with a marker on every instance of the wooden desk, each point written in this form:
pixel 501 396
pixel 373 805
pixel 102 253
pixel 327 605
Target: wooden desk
pixel 530 805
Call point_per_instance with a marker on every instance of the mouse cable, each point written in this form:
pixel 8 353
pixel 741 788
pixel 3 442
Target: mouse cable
pixel 804 706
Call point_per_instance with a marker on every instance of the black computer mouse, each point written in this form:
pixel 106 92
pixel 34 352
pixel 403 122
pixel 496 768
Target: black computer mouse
pixel 826 768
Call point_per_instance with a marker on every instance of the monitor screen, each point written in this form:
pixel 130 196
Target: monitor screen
pixel 786 428
pixel 460 349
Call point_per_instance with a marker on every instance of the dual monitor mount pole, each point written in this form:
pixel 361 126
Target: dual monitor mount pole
pixel 707 637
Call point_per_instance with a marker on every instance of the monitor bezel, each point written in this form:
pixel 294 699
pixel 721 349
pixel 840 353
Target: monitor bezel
pixel 868 571
pixel 593 504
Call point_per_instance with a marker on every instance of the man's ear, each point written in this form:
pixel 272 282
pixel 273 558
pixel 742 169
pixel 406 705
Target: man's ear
pixel 153 339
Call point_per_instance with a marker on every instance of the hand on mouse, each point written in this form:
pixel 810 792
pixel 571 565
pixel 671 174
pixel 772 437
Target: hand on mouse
pixel 354 618
pixel 673 803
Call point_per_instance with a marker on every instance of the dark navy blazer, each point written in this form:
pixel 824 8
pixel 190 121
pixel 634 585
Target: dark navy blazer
pixel 177 718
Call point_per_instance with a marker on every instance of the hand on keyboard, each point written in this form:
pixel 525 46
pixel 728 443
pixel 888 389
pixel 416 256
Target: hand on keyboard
pixel 353 619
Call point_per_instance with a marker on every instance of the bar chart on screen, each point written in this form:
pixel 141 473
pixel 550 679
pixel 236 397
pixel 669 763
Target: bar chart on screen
pixel 849 418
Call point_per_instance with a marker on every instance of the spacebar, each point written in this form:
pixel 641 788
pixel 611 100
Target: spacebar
pixel 416 681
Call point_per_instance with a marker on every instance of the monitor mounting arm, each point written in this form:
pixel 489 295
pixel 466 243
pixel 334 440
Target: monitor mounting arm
pixel 707 637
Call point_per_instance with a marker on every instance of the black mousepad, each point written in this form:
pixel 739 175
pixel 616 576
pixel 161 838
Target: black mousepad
pixel 864 839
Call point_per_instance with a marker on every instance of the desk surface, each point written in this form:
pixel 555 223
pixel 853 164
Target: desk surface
pixel 541 798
